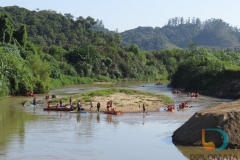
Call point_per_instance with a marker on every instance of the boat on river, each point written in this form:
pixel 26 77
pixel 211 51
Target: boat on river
pixel 81 111
pixel 183 105
pixel 170 108
pixel 58 109
pixel 112 112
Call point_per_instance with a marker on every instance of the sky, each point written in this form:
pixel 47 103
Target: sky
pixel 122 15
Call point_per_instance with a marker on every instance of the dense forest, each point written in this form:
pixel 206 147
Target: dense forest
pixel 44 49
pixel 30 62
pixel 47 27
pixel 212 33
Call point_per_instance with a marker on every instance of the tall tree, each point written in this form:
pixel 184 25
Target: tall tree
pixel 6 29
pixel 21 35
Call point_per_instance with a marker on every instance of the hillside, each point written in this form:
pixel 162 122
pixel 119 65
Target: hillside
pixel 212 33
pixel 44 49
pixel 147 38
pixel 40 54
pixel 47 27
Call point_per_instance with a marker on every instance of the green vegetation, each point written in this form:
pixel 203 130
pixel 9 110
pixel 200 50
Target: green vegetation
pixel 44 49
pixel 50 29
pixel 28 65
pixel 203 70
pixel 211 33
pixel 108 92
pixel 87 96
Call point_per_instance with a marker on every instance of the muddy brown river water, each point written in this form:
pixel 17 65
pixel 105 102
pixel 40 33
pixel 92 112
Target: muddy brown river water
pixel 30 133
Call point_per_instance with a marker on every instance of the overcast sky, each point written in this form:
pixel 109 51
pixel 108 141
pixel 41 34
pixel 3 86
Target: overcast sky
pixel 129 14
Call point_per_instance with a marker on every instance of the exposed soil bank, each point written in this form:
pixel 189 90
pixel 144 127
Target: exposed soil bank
pixel 225 116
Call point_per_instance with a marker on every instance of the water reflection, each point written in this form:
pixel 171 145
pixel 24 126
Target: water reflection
pixel 91 117
pixel 98 117
pixel 78 118
pixel 109 118
pixel 12 121
pixel 143 120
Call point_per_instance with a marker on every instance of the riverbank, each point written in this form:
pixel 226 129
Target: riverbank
pixel 124 100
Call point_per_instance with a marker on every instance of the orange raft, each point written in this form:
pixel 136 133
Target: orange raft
pixel 112 112
pixel 30 94
pixel 170 108
pixel 183 105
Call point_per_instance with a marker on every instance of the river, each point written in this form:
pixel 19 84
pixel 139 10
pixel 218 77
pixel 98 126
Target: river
pixel 30 133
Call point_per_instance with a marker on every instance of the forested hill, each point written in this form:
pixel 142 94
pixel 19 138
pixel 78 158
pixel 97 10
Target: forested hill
pixel 212 33
pixel 40 50
pixel 47 27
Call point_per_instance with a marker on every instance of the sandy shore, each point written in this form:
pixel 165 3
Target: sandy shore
pixel 126 103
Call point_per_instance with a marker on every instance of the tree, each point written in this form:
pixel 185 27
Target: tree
pixel 69 16
pixel 6 29
pixel 57 52
pixel 21 35
pixel 192 46
pixel 41 71
pixel 133 48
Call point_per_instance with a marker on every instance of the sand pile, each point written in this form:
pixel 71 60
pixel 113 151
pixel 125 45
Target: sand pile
pixel 225 116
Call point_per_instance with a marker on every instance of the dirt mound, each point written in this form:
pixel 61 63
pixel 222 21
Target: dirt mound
pixel 225 116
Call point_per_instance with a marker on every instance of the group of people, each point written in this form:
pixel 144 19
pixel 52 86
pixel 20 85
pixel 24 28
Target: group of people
pixel 54 96
pixel 79 105
pixel 109 105
pixel 48 98
pixel 30 94
pixel 193 94
pixel 170 107
pixel 176 91
pixel 158 83
pixel 183 105
pixel 58 105
pixel 33 103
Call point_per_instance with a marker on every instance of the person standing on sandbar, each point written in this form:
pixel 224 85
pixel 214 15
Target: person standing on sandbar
pixel 79 105
pixel 98 106
pixel 144 108
pixel 91 105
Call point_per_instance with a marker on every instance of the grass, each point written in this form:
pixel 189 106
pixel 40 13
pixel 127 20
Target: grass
pixel 87 96
pixel 233 68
